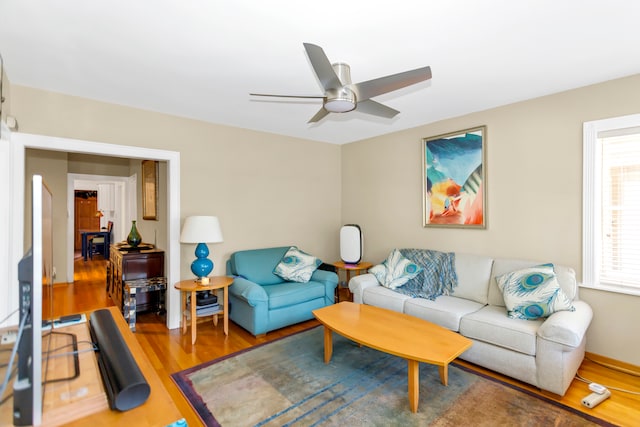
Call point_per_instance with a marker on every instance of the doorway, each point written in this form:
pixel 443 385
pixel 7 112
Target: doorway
pixel 120 211
pixel 20 142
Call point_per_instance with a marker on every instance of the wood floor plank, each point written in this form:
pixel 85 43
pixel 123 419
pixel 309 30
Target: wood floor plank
pixel 169 351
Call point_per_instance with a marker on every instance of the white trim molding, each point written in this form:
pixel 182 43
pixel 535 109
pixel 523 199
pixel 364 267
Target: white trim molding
pixel 591 193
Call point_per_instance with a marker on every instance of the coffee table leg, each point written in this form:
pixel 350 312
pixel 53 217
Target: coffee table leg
pixel 328 344
pixel 444 374
pixel 414 384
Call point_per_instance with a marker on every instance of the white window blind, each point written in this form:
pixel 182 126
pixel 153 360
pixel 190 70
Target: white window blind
pixel 620 253
pixel 611 205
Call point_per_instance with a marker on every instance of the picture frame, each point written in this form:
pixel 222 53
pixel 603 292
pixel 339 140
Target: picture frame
pixel 150 190
pixel 454 182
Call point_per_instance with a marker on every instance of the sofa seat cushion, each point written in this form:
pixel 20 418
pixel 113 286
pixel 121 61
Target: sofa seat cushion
pixel 492 325
pixel 291 293
pixel 385 298
pixel 445 311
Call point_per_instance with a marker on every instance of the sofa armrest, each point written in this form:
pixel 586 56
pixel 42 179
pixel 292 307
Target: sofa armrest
pixel 359 283
pixel 249 291
pixel 327 277
pixel 330 280
pixel 567 327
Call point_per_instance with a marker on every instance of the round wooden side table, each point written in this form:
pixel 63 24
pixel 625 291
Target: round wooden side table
pixel 349 269
pixel 190 287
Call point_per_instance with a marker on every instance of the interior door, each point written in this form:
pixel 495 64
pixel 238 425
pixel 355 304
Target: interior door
pixel 85 217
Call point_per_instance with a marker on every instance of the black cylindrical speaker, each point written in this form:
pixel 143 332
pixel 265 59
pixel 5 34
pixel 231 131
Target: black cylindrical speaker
pixel 125 385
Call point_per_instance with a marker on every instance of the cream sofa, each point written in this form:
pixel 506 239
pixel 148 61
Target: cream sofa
pixel 545 353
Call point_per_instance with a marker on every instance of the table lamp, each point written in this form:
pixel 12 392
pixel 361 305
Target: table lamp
pixel 201 230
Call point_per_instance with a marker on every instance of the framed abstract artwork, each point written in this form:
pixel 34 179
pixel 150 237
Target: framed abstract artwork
pixel 150 189
pixel 454 184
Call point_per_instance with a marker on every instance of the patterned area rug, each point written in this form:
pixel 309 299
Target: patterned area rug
pixel 286 382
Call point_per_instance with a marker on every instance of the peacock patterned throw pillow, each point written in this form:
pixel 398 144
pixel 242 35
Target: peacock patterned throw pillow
pixel 395 271
pixel 533 293
pixel 297 266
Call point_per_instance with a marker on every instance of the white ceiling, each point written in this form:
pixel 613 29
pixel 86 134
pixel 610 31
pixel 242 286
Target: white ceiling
pixel 201 58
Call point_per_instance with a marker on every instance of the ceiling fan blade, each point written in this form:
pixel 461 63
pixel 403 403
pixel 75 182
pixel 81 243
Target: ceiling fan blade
pixel 375 87
pixel 287 96
pixel 319 115
pixel 322 67
pixel 370 106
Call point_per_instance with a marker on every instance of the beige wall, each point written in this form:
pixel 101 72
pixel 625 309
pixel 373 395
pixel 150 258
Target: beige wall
pixel 534 193
pixel 53 168
pixel 98 165
pixel 266 189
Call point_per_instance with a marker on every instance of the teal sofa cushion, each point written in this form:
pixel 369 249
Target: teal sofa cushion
pixel 257 265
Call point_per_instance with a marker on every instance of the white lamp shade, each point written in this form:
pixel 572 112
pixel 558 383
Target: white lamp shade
pixel 201 229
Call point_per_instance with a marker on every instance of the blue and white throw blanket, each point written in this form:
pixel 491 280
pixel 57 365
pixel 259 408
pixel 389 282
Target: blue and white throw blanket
pixel 438 276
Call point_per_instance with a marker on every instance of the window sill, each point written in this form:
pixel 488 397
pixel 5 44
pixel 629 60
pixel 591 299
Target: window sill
pixel 612 288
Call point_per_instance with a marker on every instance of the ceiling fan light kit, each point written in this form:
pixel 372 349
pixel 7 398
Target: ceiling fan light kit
pixel 342 96
pixel 343 101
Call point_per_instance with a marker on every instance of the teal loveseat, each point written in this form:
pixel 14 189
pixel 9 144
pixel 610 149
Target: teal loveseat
pixel 261 301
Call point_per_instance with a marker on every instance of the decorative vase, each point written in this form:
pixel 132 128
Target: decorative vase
pixel 134 238
pixel 202 266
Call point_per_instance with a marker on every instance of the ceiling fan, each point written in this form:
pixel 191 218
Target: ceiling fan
pixel 342 96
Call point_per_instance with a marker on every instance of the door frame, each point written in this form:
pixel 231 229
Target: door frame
pixel 127 214
pixel 21 141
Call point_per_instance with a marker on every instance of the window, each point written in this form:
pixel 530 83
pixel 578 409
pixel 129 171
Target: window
pixel 611 205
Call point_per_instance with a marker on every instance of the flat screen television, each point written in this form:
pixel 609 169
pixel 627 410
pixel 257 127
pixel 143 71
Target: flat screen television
pixel 35 277
pixel 35 346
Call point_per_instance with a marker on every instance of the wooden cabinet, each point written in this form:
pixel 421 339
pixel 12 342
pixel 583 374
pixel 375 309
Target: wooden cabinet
pixel 126 264
pixel 84 216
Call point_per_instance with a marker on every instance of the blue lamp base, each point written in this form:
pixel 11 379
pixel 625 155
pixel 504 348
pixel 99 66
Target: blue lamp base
pixel 202 266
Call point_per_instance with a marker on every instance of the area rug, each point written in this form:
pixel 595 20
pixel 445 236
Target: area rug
pixel 286 383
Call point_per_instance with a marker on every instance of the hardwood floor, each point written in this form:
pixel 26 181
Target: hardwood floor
pixel 169 351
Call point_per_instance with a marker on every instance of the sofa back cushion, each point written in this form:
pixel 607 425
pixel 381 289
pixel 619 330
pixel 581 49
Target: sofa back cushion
pixel 257 265
pixel 566 277
pixel 474 273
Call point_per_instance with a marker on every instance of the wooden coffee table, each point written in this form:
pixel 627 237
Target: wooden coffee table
pixel 395 333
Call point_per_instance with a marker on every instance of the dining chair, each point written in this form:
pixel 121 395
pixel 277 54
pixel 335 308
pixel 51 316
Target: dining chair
pixel 98 244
